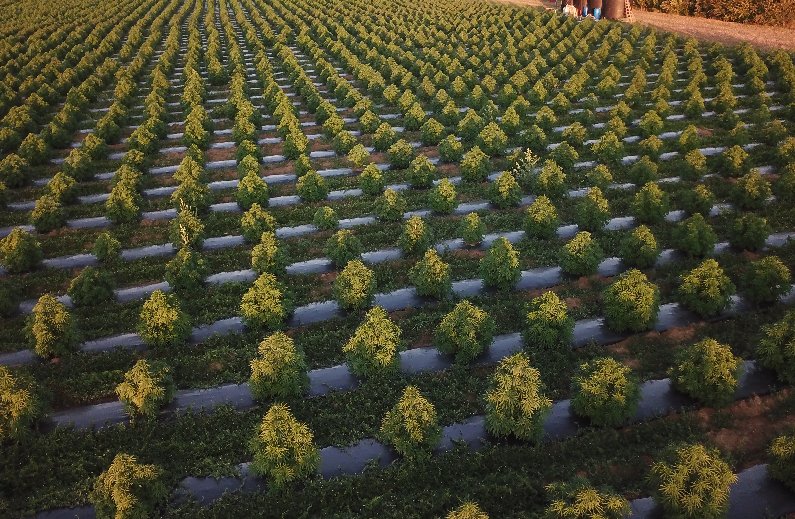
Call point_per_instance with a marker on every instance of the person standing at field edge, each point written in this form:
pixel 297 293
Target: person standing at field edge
pixel 570 10
pixel 596 8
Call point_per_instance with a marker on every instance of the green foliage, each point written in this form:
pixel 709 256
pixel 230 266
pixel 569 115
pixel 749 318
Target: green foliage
pixel 465 332
pixel 784 188
pixel 343 247
pixel 707 371
pixel 565 156
pixel 734 161
pixel 695 236
pixel 631 303
pixel 651 124
pixel 776 348
pixel 765 280
pixel 431 132
pixel 605 391
pixel 312 187
pixel 186 271
pixel 751 191
pixel 468 510
pixel 400 154
pixel 593 211
pixel 187 229
pixel 650 204
pixel 13 171
pixel 699 200
pixel 48 214
pixel 515 402
pixel 20 251
pixel 693 483
pixel 107 249
pixel 600 177
pixel 62 188
pixel 283 448
pixel 421 172
pixel 265 305
pixel 252 190
pixel 416 236
pixel 499 268
pixel 372 350
pixel 390 206
pixel 354 286
pixel 146 388
pixel 358 155
pixel 782 460
pixel 547 323
pixel 91 287
pixel 492 140
pixel 472 229
pixel 505 192
pixel 162 322
pixel 749 232
pixel 581 255
pixel 550 181
pixel 450 149
pixel 412 426
pixel 51 328
pixel 643 171
pixel 541 219
pixel 256 221
pixel 706 290
pixel 431 276
pixel 268 255
pixel 123 204
pixel 694 165
pixel 608 149
pixel 325 219
pixel 578 499
pixel 20 405
pixel 128 489
pixel 371 180
pixel 279 370
pixel 475 166
pixel 443 197
pixel 639 248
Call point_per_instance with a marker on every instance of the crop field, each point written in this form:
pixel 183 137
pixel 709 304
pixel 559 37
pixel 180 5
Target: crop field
pixel 268 258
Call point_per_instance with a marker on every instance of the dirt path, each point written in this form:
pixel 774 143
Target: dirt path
pixel 730 33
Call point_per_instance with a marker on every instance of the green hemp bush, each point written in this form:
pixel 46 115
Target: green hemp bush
pixel 372 350
pixel 695 237
pixel 468 510
pixel 699 200
pixel 650 204
pixel 186 271
pixel 431 276
pixel 547 323
pixel 578 499
pixel 421 172
pixel 693 483
pixel 643 171
pixel 749 232
pixel 706 290
pixel 499 268
pixel 20 405
pixel 416 236
pixel 765 280
pixel 631 303
pixel 515 402
pixel 256 221
pixel 782 460
pixel 325 219
pixel 162 322
pixel 91 287
pixel 751 191
pixel 147 388
pixel 541 219
pixel 472 230
pixel 252 190
pixel 343 247
pixel 284 449
pixel 48 214
pixel 268 255
pixel 707 371
pixel 443 197
pixel 475 166
pixel 312 187
pixel 505 192
pixel 550 181
pixel 464 332
pixel 265 305
pixel 371 180
pixel 51 328
pixel 279 370
pixel 107 249
pixel 581 255
pixel 390 206
pixel 593 211
pixel 412 426
pixel 187 229
pixel 20 251
pixel 776 348
pixel 128 489
pixel 639 248
pixel 354 286
pixel 401 154
pixel 605 391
